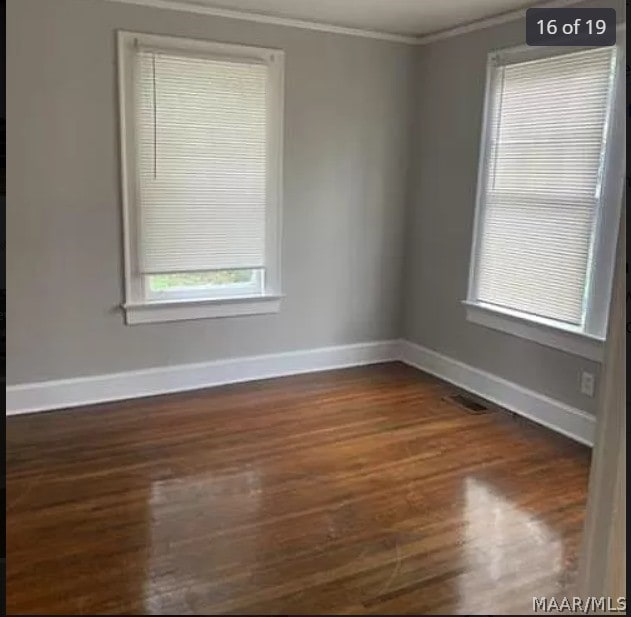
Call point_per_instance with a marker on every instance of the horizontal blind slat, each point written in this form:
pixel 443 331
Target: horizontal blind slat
pixel 543 163
pixel 201 156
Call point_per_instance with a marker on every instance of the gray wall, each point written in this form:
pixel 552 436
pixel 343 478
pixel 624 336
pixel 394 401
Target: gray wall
pixel 347 108
pixel 450 79
pixel 349 145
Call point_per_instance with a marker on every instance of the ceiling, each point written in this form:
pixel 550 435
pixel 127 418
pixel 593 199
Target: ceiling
pixel 401 17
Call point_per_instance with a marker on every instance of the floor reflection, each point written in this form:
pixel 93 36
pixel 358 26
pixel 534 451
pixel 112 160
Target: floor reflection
pixel 504 542
pixel 188 515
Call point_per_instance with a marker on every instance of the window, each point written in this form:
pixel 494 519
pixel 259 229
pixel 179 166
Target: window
pixel 549 193
pixel 201 131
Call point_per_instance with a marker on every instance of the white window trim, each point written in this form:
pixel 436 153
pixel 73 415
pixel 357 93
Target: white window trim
pixel 177 310
pixel 543 331
pixel 137 307
pixel 587 342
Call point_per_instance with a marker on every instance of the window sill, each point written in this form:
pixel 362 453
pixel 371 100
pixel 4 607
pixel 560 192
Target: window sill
pixel 179 310
pixel 565 339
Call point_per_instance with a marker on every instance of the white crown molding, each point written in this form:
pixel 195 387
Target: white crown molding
pixel 199 9
pixel 487 22
pixel 193 7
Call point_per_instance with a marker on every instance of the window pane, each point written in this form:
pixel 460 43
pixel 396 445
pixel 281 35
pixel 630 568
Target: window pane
pixel 541 186
pixel 201 280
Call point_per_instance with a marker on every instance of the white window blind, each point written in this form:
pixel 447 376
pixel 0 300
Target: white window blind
pixel 201 149
pixel 541 183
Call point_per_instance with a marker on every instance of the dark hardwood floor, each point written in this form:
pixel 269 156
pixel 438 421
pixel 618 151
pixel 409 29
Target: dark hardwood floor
pixel 353 491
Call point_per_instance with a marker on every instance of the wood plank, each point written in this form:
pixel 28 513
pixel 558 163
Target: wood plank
pixel 354 491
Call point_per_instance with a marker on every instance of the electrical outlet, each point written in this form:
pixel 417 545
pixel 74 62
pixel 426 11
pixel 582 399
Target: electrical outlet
pixel 587 383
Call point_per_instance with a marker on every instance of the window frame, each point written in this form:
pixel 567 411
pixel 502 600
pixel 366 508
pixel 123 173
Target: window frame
pixel 140 306
pixel 588 340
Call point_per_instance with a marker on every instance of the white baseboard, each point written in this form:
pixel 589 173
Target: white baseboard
pixel 542 409
pixel 63 393
pixel 46 395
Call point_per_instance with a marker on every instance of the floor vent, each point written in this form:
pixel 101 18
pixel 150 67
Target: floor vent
pixel 467 403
